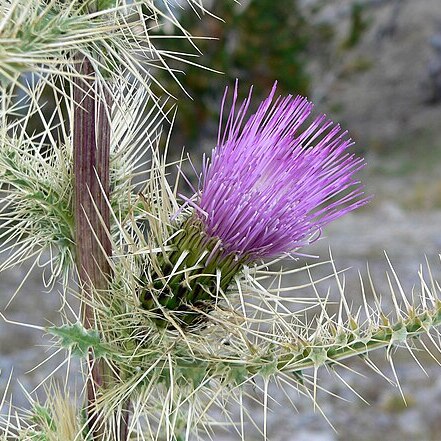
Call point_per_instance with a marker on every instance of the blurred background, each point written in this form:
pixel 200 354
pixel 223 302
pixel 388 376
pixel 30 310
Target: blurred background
pixel 375 67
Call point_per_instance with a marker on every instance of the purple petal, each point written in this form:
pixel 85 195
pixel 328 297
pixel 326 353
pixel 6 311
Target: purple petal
pixel 271 185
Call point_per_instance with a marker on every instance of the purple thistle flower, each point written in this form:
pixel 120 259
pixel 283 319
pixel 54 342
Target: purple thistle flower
pixel 270 187
pixel 272 184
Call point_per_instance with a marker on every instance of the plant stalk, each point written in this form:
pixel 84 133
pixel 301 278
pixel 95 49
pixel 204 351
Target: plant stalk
pixel 91 143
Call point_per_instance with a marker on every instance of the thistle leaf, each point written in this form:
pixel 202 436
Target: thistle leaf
pixel 79 340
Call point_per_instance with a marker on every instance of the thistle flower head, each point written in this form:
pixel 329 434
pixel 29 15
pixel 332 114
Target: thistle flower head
pixel 272 184
pixel 269 189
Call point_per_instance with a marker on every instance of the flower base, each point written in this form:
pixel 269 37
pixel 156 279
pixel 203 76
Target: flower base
pixel 190 280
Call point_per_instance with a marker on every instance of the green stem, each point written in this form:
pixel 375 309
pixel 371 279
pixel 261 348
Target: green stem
pixel 313 355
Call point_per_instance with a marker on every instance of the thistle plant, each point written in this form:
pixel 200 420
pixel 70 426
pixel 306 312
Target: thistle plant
pixel 185 302
pixel 267 191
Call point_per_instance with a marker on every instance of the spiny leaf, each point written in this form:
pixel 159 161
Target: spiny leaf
pixel 42 416
pixel 46 37
pixel 79 340
pixel 195 373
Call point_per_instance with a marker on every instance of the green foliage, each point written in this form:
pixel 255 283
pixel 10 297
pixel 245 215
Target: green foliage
pixel 358 25
pixel 41 415
pixel 46 37
pixel 37 211
pixel 106 4
pixel 79 340
pixel 258 43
